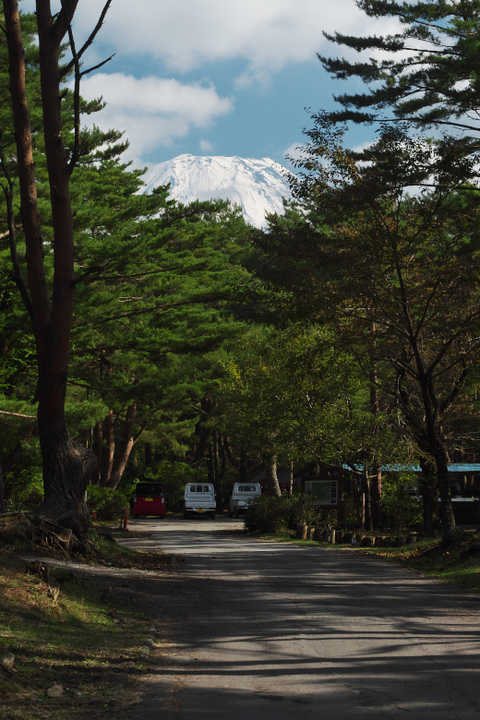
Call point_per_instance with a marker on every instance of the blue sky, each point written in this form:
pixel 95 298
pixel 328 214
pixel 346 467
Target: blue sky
pixel 215 77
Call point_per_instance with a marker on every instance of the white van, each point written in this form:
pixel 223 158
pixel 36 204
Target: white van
pixel 198 499
pixel 241 494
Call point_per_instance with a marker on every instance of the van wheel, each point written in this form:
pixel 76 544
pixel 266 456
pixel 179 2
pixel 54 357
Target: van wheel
pixel 236 514
pixel 136 515
pixel 212 516
pixel 185 516
pixel 230 514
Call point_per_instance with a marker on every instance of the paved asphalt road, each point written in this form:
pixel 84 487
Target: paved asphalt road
pixel 271 631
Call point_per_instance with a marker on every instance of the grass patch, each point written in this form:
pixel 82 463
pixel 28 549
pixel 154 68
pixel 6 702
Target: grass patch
pixel 110 552
pixel 458 564
pixel 290 537
pixel 71 638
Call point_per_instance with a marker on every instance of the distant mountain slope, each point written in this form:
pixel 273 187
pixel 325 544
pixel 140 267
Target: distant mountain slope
pixel 257 185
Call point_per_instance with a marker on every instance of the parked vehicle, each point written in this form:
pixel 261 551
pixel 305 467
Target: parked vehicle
pixel 198 499
pixel 149 499
pixel 242 493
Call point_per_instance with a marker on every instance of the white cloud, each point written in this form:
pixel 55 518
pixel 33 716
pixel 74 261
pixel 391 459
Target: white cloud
pixel 295 151
pixel 237 42
pixel 153 111
pixel 205 145
pixel 186 34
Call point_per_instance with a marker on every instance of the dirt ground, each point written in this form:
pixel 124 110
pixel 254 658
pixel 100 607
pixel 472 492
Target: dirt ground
pixel 108 669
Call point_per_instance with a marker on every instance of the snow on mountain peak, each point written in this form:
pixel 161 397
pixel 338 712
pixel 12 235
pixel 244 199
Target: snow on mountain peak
pixel 258 186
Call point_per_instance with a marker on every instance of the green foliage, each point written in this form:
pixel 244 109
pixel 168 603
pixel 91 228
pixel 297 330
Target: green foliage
pixel 300 395
pixel 26 491
pixel 270 514
pixel 267 514
pixel 155 286
pixel 107 503
pixel 433 83
pixel 154 304
pixel 394 276
pixel 401 509
pixel 23 481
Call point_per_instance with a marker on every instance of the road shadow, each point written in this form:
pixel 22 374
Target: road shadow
pixel 333 633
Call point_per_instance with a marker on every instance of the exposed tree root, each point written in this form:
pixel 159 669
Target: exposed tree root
pixel 40 535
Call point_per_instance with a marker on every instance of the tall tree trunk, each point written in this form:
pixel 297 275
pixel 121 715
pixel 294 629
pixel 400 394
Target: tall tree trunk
pixel 428 487
pixel 448 518
pixel 109 447
pixel 430 439
pixel 3 507
pixel 127 445
pixel 210 465
pixel 243 467
pixel 436 448
pixel 368 502
pixel 98 451
pixel 216 474
pixel 203 447
pixel 273 483
pixel 223 458
pixel 148 454
pixel 376 482
pixel 66 464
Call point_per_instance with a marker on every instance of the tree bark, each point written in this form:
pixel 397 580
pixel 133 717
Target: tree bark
pixel 3 506
pixel 368 498
pixel 216 474
pixel 128 442
pixel 148 454
pixel 110 448
pixel 98 450
pixel 429 491
pixel 429 437
pixel 243 467
pixel 273 478
pixel 376 484
pixel 448 518
pixel 223 458
pixel 204 434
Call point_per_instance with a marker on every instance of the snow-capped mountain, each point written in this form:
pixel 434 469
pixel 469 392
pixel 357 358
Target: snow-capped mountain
pixel 257 185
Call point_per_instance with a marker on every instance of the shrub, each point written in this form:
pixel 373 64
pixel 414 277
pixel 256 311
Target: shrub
pixel 107 503
pixel 400 508
pixel 24 483
pixel 269 514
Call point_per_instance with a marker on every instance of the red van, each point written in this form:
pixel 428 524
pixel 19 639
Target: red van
pixel 149 499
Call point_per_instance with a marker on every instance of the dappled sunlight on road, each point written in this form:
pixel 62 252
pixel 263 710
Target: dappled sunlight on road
pixel 275 629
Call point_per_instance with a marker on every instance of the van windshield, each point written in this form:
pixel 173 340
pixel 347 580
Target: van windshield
pixel 149 490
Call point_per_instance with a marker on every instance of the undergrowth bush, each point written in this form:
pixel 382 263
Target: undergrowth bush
pixel 401 509
pixel 108 504
pixel 270 514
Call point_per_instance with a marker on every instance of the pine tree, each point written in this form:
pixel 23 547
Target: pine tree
pixel 48 298
pixel 433 75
